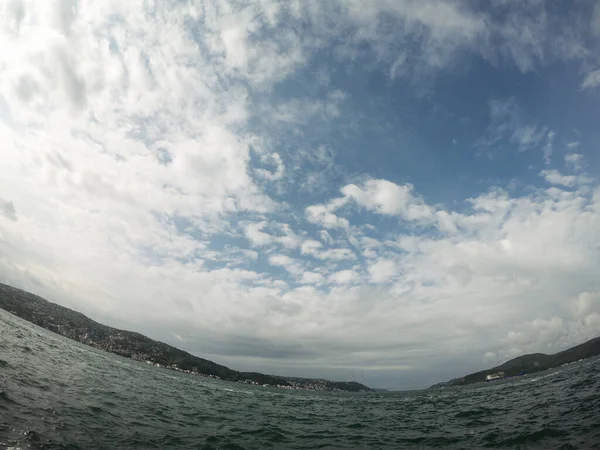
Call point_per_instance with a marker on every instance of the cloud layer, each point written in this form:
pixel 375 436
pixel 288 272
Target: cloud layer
pixel 190 170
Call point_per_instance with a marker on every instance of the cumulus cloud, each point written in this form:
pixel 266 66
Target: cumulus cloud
pixel 382 270
pixel 380 196
pixel 580 322
pixel 311 247
pixel 285 237
pixel 388 198
pixel 311 278
pixel 345 277
pixel 292 265
pixel 555 177
pixel 323 215
pixel 586 305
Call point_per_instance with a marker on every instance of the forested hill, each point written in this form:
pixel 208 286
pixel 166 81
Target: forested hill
pixel 81 328
pixel 533 362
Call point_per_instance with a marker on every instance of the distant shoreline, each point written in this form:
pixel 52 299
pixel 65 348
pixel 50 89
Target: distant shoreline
pixel 530 363
pixel 80 328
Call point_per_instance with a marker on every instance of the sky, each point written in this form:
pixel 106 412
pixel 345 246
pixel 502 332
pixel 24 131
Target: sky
pixel 396 192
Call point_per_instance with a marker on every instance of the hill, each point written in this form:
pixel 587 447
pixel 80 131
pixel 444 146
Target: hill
pixel 534 362
pixel 78 327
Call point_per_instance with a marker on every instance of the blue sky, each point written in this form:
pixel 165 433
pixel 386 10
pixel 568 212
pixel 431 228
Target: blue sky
pixel 398 191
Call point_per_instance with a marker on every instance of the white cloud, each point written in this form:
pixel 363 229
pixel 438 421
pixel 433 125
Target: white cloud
pixel 291 265
pixel 336 254
pixel 541 334
pixel 581 323
pixel 555 177
pixel 315 249
pixel 388 198
pixel 516 33
pixel 275 160
pixel 255 234
pixel 548 147
pixel 370 247
pixel 326 237
pixel 286 237
pixel 250 254
pixel 323 215
pixel 591 80
pixel 586 305
pixel 574 161
pixel 381 196
pixel 310 247
pixel 530 136
pixel 311 278
pixel 382 270
pixel 345 277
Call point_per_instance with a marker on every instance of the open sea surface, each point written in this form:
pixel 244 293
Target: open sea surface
pixel 58 394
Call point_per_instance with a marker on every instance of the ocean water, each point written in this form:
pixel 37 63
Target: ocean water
pixel 58 394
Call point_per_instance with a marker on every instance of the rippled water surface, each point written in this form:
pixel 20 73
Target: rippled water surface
pixel 57 394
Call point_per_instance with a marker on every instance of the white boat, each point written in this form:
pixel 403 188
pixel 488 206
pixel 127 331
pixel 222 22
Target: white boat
pixel 494 376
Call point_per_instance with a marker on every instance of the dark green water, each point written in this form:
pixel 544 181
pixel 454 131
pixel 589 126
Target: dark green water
pixel 57 394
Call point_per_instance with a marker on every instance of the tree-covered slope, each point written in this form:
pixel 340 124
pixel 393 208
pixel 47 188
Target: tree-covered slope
pixel 533 362
pixel 81 328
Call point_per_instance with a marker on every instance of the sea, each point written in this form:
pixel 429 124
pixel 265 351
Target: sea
pixel 59 394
